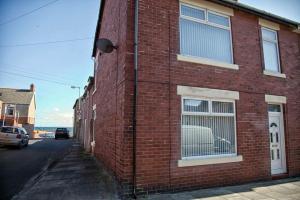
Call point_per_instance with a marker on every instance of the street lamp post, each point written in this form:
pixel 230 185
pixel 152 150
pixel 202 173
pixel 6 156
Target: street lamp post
pixel 79 109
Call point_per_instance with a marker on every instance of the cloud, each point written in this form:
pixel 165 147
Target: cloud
pixel 56 109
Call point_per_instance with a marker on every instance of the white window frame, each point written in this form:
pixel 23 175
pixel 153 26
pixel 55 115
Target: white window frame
pixel 277 49
pixel 205 21
pixel 209 113
pixel 8 107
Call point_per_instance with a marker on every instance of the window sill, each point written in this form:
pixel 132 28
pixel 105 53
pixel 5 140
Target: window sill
pixel 269 73
pixel 205 61
pixel 209 161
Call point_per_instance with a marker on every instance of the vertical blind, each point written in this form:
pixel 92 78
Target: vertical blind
pixel 205 34
pixel 208 128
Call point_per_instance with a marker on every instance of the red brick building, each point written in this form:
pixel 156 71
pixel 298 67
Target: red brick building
pixel 197 94
pixel 84 117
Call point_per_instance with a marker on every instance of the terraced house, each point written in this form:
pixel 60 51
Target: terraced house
pixel 196 94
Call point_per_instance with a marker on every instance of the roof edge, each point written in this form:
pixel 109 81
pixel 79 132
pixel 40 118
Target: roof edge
pixel 100 15
pixel 258 12
pixel 229 3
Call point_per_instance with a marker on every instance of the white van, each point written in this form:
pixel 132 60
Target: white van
pixel 197 141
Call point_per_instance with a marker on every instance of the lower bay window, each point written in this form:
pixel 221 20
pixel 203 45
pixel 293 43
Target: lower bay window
pixel 208 126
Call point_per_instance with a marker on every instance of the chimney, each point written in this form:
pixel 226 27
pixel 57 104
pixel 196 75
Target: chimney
pixel 32 87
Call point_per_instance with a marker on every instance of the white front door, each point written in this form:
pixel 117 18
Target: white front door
pixel 277 146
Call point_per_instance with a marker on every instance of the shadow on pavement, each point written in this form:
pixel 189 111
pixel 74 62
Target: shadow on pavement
pixel 18 166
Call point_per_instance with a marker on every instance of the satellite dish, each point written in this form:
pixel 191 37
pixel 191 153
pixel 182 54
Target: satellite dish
pixel 105 45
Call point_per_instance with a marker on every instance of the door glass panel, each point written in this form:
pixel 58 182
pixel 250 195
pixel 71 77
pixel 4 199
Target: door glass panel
pixel 271 137
pixel 278 156
pixel 274 108
pixel 272 154
pixel 277 139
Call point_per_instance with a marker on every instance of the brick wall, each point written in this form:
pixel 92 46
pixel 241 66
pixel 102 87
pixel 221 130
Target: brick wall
pixel 159 111
pixel 113 130
pixel 158 106
pixel 21 120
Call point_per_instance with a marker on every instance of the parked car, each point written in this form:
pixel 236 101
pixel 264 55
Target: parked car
pixel 62 133
pixel 13 136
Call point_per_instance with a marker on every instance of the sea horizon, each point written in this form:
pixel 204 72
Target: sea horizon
pixel 52 128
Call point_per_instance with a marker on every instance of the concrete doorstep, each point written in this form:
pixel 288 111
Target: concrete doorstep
pixel 76 176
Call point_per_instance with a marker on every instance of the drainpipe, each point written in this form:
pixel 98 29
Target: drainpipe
pixel 135 95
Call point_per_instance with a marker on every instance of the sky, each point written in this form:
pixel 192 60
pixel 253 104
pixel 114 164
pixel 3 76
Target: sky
pixel 54 67
pixel 69 63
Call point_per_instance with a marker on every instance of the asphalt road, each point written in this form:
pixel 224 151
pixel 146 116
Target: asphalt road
pixel 18 166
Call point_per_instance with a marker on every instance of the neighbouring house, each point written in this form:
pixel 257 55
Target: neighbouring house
pixel 196 94
pixel 78 127
pixel 84 117
pixel 18 107
pixel 76 119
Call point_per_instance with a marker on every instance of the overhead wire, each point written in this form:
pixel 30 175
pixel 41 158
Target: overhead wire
pixel 38 73
pixel 48 42
pixel 27 13
pixel 36 78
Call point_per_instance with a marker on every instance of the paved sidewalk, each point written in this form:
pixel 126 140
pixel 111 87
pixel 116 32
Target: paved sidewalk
pixel 75 177
pixel 284 189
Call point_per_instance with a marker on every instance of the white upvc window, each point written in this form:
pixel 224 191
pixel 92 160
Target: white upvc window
pixel 205 34
pixel 208 128
pixel 270 50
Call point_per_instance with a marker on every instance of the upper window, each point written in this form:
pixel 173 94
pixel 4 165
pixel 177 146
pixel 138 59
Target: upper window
pixel 205 34
pixel 270 50
pixel 10 110
pixel 208 128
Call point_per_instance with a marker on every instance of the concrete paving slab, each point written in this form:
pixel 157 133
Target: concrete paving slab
pixel 295 196
pixel 285 189
pixel 253 195
pixel 291 186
